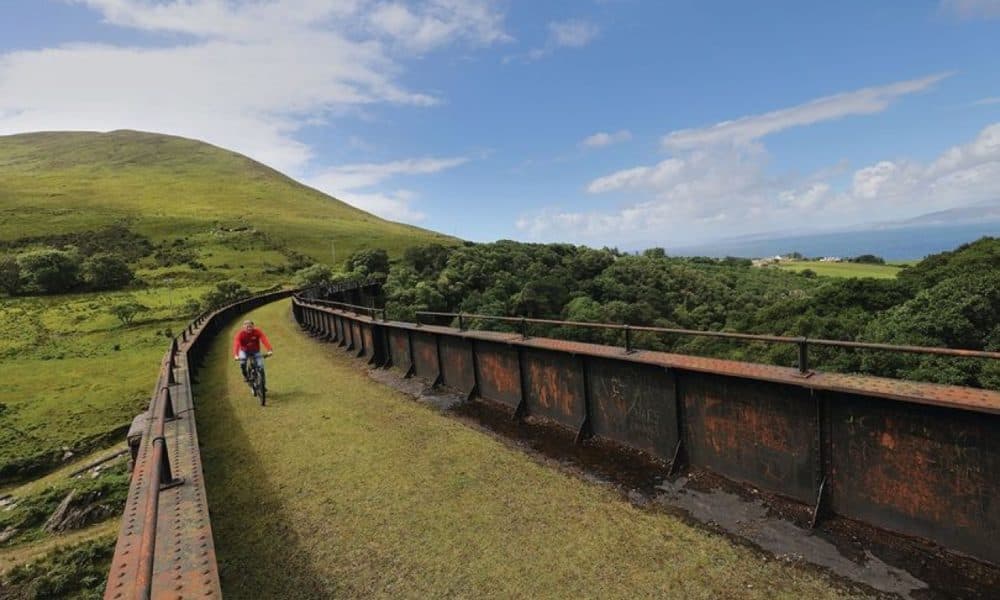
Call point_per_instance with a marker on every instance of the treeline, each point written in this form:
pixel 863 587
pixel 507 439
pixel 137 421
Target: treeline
pixel 951 299
pixel 86 261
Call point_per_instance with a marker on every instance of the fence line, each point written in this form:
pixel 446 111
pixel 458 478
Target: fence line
pixel 801 342
pixel 164 547
pixel 914 458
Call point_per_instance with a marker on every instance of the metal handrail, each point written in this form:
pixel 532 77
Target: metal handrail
pixel 161 475
pixel 802 342
pixel 355 308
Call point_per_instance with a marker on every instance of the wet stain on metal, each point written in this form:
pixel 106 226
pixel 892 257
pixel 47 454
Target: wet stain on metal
pixel 554 387
pixel 499 376
pixel 927 471
pixel 399 347
pixel 425 355
pixel 456 364
pixel 635 405
pixel 751 431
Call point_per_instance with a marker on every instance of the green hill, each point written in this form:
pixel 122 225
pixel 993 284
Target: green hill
pixel 185 215
pixel 167 187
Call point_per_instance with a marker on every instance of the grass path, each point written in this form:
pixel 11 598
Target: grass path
pixel 342 487
pixel 20 490
pixel 25 553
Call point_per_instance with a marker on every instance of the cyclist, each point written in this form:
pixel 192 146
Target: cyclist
pixel 246 344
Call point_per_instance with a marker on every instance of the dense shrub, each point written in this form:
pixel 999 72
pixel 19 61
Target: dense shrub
pixel 10 275
pixel 315 274
pixel 368 262
pixel 225 292
pixel 50 271
pixel 106 272
pixel 950 299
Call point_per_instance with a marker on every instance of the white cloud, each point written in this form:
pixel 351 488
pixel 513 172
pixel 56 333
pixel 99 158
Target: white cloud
pixel 352 177
pixel 573 33
pixel 243 75
pixel 717 181
pixel 746 129
pixel 438 22
pixel 972 9
pixel 602 139
pixel 354 184
pixel 986 101
pixel 395 206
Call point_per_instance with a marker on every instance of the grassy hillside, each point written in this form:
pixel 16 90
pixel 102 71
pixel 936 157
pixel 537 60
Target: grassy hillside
pixel 185 215
pixel 167 187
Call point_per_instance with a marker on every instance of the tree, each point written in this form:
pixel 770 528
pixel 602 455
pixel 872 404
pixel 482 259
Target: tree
pixel 225 292
pixel 868 259
pixel 426 259
pixel 126 311
pixel 368 262
pixel 107 272
pixel 10 275
pixel 316 274
pixel 50 271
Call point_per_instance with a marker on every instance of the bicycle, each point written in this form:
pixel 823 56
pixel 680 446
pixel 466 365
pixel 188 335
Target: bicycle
pixel 256 379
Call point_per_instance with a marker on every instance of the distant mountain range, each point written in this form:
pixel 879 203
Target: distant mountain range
pixel 907 239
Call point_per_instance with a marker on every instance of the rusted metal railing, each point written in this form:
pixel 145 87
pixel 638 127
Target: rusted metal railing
pixel 357 309
pixel 164 547
pixel 915 458
pixel 802 343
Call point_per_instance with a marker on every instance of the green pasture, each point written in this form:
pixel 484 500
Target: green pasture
pixel 842 269
pixel 74 374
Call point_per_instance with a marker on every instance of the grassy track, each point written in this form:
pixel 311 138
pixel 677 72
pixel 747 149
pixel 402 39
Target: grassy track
pixel 342 487
pixel 828 269
pixel 19 555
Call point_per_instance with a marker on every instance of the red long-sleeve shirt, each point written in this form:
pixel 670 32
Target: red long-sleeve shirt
pixel 249 341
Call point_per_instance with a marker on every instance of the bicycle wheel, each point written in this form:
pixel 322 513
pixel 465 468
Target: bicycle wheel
pixel 261 380
pixel 254 380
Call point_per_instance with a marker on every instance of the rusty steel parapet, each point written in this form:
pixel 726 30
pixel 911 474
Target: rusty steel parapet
pixel 165 547
pixel 919 459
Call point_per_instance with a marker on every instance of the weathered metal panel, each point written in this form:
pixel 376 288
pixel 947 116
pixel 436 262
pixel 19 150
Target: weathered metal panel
pixel 369 339
pixel 456 363
pixel 399 348
pixel 498 373
pixel 919 470
pixel 761 433
pixel 555 386
pixel 345 331
pixel 425 355
pixel 356 336
pixel 337 332
pixel 634 404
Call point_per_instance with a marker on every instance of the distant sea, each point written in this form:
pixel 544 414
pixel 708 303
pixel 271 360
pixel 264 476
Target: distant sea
pixel 898 243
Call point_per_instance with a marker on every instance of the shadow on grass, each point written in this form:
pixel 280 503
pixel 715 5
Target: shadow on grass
pixel 260 554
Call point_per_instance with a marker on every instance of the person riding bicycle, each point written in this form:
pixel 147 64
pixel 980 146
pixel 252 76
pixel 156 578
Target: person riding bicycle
pixel 246 344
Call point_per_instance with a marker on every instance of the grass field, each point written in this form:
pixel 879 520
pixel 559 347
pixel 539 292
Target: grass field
pixel 842 269
pixel 349 489
pixel 73 374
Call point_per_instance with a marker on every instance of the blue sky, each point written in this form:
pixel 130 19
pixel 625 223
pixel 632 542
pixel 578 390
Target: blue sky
pixel 621 122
